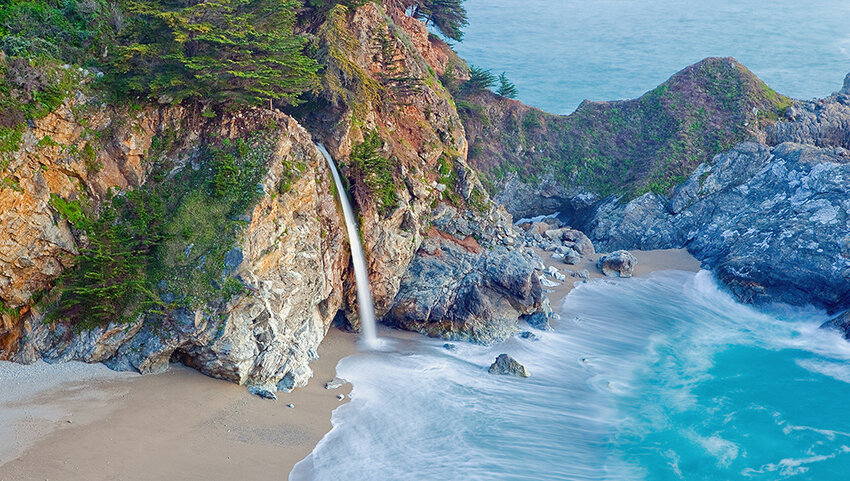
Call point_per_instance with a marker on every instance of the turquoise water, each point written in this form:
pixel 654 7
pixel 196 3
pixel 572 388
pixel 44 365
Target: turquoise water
pixel 656 378
pixel 560 52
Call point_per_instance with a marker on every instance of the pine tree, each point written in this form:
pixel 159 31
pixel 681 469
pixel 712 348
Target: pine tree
pixel 506 87
pixel 479 79
pixel 221 51
pixel 449 16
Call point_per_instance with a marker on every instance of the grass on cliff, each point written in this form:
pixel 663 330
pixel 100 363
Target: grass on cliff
pixel 163 247
pixel 625 148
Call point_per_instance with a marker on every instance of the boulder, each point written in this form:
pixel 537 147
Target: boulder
pixel 572 257
pixel 507 366
pixel 617 264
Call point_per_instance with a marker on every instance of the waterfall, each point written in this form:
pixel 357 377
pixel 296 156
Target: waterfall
pixel 364 294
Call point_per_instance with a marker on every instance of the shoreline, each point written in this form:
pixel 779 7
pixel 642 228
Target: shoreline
pixel 649 261
pixel 88 423
pixel 179 424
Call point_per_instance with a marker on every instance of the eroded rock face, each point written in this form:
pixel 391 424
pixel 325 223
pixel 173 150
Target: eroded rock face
pixel 772 222
pixel 839 323
pixel 291 257
pixel 462 289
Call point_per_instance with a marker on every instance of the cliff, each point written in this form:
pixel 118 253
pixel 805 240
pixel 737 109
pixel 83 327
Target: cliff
pixel 139 234
pixel 537 162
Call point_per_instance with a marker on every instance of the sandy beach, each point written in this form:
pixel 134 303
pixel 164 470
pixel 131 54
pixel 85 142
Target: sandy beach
pixel 649 261
pixel 178 425
pixel 84 422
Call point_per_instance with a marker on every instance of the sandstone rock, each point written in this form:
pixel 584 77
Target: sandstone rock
pixel 290 254
pixel 507 366
pixel 617 264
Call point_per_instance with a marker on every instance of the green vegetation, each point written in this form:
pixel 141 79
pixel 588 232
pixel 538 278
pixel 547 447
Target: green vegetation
pixel 479 80
pixel 507 88
pixel 29 90
pixel 375 171
pixel 624 148
pixel 227 51
pixel 449 16
pixel 168 241
pixel 234 52
pixel 344 82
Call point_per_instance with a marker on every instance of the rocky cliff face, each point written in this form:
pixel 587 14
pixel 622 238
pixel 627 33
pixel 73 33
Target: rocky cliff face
pixel 532 159
pixel 422 135
pixel 771 221
pixel 289 256
pixel 269 293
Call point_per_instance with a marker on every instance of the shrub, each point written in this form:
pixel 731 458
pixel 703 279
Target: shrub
pixel 375 171
pixel 479 80
pixel 171 237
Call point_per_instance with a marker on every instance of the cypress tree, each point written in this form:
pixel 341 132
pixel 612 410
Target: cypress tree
pixel 506 87
pixel 449 16
pixel 220 51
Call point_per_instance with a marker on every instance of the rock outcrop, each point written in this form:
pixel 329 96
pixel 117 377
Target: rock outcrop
pixel 617 264
pixel 288 266
pixel 771 221
pixel 538 163
pixel 505 365
pixel 467 282
pixel 840 323
pixel 290 257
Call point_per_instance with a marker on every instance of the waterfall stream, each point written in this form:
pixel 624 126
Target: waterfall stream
pixel 364 294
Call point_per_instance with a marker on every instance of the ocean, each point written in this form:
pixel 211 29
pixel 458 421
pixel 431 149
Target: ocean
pixel 658 378
pixel 560 52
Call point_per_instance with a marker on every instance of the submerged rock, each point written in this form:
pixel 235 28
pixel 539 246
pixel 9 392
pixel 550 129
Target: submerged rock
pixel 335 383
pixel 528 335
pixel 507 366
pixel 617 264
pixel 840 323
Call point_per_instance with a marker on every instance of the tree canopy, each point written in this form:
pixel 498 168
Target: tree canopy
pixel 449 16
pixel 242 51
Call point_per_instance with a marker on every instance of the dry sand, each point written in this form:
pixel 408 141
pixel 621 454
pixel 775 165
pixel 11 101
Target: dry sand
pixel 177 425
pixel 648 262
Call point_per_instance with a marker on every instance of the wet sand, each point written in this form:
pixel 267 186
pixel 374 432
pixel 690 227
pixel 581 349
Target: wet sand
pixel 176 425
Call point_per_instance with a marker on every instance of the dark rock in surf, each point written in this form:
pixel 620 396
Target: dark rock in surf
pixel 262 392
pixel 840 323
pixel 507 366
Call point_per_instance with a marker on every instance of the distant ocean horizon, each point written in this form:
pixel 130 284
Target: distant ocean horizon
pixel 560 52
